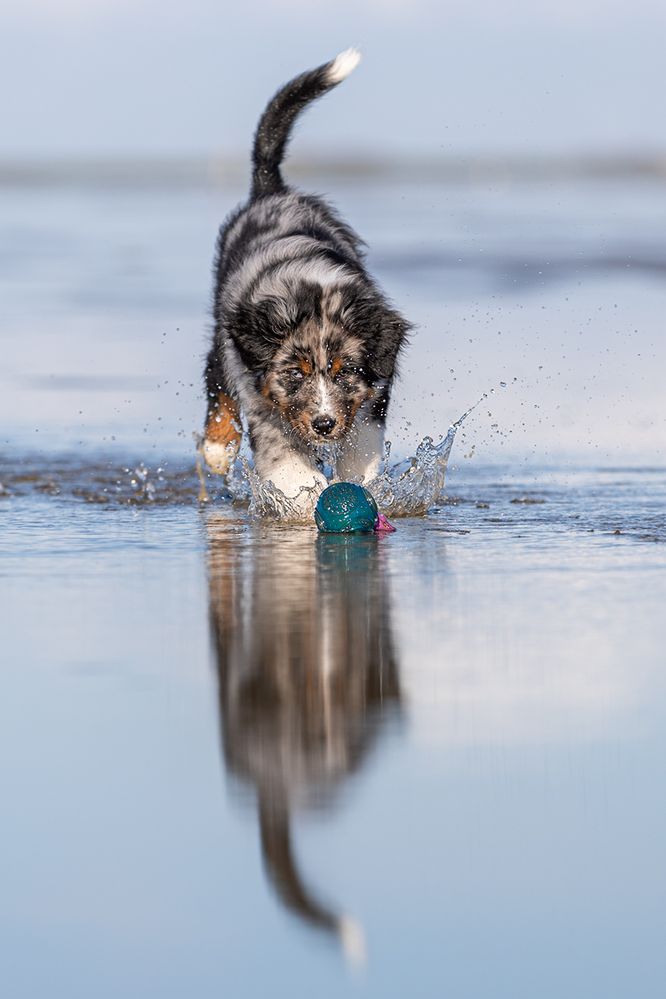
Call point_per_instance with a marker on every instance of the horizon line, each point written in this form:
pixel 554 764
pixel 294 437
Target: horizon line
pixel 220 169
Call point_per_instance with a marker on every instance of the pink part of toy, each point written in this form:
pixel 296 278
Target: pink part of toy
pixel 384 525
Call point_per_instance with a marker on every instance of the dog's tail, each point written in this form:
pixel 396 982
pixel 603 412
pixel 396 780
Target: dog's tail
pixel 274 128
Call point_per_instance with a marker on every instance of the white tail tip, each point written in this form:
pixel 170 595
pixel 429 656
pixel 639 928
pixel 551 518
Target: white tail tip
pixel 343 65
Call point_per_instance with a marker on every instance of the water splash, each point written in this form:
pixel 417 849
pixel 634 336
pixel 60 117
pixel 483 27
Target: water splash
pixel 94 480
pixel 269 502
pixel 142 484
pixel 412 487
pixel 407 489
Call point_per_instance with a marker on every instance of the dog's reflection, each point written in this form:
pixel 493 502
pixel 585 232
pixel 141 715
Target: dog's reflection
pixel 308 676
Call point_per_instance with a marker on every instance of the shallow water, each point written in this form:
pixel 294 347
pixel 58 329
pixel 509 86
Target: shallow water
pixel 238 758
pixel 372 758
pixel 628 502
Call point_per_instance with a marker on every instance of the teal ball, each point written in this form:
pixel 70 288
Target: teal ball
pixel 345 508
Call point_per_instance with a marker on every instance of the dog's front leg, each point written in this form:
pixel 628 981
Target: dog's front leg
pixel 361 452
pixel 289 469
pixel 223 433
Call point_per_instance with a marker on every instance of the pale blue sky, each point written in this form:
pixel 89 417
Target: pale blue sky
pixel 121 77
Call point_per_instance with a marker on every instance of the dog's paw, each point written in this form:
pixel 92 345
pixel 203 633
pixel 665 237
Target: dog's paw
pixel 219 457
pixel 299 484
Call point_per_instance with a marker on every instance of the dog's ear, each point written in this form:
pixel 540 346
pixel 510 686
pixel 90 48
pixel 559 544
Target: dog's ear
pixel 388 339
pixel 381 328
pixel 257 332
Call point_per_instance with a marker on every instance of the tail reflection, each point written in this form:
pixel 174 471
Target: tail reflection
pixel 307 670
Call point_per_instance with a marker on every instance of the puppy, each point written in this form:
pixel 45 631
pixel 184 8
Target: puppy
pixel 305 344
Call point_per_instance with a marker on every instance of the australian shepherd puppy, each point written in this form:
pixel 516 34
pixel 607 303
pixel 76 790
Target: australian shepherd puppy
pixel 305 344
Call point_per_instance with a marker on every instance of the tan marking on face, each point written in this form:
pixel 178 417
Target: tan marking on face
pixel 305 366
pixel 304 423
pixel 272 392
pixel 352 411
pixel 224 426
pixel 336 366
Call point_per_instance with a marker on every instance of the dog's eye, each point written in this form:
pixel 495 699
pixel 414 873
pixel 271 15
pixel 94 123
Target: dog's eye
pixel 296 374
pixel 337 369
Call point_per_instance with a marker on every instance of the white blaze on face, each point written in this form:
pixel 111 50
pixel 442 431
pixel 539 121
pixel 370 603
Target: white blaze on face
pixel 324 403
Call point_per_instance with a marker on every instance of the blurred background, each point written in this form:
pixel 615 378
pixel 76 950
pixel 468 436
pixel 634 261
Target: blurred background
pixel 506 164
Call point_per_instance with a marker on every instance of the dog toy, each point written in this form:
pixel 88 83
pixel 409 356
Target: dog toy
pixel 346 508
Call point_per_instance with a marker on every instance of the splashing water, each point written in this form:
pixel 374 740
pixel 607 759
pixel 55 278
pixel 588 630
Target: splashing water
pixel 142 484
pixel 267 501
pixel 412 487
pixel 407 489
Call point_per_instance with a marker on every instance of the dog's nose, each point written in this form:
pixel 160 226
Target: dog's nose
pixel 323 425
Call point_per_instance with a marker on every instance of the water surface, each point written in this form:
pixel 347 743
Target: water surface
pixel 238 758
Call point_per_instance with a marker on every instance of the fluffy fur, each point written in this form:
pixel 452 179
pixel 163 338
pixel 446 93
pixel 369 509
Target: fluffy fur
pixel 305 344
